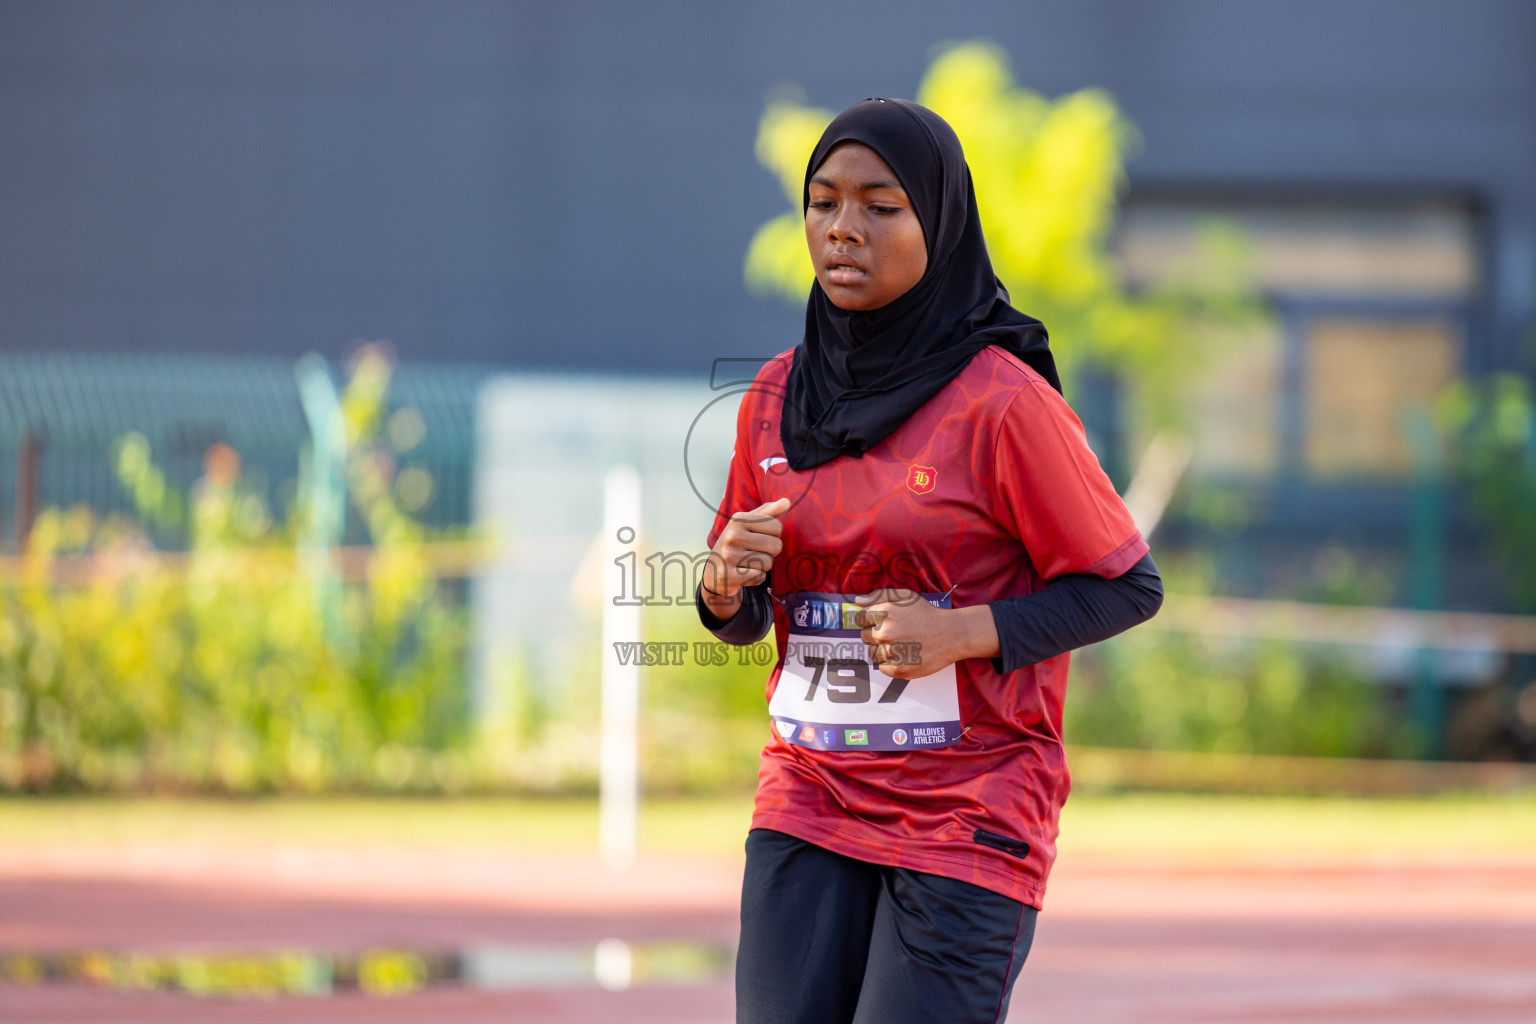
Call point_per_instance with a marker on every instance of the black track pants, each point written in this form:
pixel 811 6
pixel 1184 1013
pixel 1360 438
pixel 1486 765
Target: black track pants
pixel 826 939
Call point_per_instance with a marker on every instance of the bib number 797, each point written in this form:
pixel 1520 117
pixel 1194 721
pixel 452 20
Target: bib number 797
pixel 847 681
pixel 830 696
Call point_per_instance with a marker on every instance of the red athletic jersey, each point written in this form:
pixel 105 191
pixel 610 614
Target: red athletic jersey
pixel 989 488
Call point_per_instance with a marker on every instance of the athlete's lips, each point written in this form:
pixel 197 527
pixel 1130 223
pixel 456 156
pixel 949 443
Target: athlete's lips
pixel 844 269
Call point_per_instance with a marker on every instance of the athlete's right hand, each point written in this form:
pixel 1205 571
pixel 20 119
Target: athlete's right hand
pixel 745 550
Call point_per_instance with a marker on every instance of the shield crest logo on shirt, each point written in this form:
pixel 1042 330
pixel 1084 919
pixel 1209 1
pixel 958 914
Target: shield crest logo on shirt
pixel 920 479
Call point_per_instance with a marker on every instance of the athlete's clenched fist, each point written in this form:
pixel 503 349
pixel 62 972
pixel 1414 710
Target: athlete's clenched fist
pixel 909 638
pixel 743 554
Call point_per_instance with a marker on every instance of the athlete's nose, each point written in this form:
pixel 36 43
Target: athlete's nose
pixel 843 228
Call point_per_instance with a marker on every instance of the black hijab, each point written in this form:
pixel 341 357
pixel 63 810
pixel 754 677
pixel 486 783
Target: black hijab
pixel 857 376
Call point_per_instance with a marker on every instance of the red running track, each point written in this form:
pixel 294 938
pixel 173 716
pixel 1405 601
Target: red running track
pixel 1318 941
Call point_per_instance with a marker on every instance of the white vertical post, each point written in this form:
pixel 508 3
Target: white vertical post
pixel 323 488
pixel 618 769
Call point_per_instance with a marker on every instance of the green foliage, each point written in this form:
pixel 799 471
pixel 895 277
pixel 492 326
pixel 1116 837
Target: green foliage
pixel 1171 691
pixel 703 723
pixel 1156 690
pixel 1046 174
pixel 1492 427
pixel 121 668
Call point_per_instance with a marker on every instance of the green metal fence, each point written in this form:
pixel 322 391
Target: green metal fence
pixel 62 414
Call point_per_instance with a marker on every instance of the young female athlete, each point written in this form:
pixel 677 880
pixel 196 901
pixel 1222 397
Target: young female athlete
pixel 914 509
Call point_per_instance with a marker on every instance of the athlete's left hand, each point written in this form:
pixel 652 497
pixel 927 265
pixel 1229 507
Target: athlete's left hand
pixel 909 638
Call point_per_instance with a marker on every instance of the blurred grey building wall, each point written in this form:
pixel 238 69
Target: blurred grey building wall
pixel 572 185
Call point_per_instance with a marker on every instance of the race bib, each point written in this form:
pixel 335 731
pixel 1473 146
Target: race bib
pixel 832 697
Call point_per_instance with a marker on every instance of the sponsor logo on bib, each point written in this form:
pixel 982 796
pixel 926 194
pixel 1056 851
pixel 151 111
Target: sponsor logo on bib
pixel 808 734
pixel 786 729
pixel 825 614
pixel 899 737
pixel 856 737
pixel 920 479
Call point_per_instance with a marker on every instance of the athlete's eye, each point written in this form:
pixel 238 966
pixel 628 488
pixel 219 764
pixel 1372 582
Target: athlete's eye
pixel 886 209
pixel 822 204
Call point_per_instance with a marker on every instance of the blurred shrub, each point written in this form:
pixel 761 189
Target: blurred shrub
pixel 1156 690
pixel 1171 691
pixel 220 678
pixel 1492 428
pixel 123 668
pixel 703 724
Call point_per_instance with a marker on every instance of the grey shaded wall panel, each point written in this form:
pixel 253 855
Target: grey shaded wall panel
pixel 573 185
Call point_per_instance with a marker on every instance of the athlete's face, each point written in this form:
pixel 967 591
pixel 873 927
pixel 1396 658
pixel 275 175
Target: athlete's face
pixel 865 239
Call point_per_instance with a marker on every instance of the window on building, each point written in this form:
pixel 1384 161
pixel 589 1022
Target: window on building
pixel 1363 376
pixel 1236 416
pixel 1372 300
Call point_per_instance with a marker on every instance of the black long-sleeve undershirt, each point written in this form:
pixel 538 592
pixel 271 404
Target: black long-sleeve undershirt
pixel 1067 613
pixel 750 623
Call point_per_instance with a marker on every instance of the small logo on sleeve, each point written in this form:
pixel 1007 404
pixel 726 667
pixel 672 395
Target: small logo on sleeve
pixel 920 479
